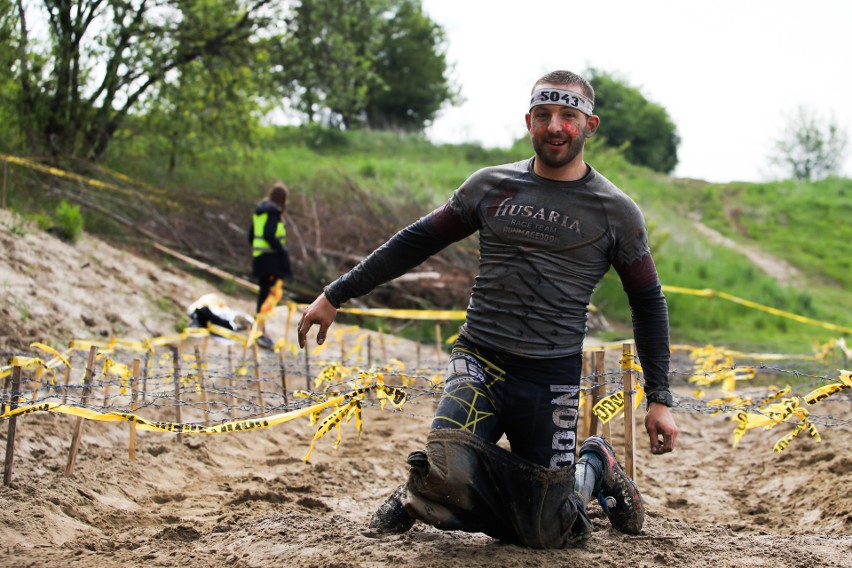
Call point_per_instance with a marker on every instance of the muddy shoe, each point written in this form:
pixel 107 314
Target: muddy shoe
pixel 391 516
pixel 618 496
pixel 265 342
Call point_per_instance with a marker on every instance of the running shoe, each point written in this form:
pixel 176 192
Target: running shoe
pixel 619 497
pixel 391 516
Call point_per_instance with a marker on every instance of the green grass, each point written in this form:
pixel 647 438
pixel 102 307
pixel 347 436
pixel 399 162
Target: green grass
pixel 394 166
pixel 798 223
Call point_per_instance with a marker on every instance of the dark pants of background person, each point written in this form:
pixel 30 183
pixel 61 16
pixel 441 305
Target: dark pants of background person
pixel 266 283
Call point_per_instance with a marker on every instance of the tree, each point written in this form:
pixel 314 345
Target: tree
pixel 811 147
pixel 8 84
pixel 411 62
pixel 643 129
pixel 374 62
pixel 104 58
pixel 326 60
pixel 209 111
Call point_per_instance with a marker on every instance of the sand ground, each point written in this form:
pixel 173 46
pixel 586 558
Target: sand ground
pixel 249 499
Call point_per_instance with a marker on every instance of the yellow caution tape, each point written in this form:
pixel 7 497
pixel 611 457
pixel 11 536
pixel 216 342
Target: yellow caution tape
pixel 349 401
pixel 129 345
pixel 88 181
pixel 166 340
pixel 26 363
pixel 782 444
pixel 227 333
pixel 823 392
pixel 776 395
pixel 58 358
pixel 609 407
pixel 768 417
pixel 87 344
pixel 707 293
pixel 717 365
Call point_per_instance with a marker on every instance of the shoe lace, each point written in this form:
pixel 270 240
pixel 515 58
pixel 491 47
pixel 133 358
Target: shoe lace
pixel 606 503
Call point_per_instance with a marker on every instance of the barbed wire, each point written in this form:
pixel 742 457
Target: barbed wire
pixel 214 390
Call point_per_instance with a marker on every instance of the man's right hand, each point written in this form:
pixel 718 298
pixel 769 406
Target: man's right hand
pixel 320 312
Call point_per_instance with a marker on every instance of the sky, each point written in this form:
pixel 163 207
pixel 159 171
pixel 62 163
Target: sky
pixel 728 72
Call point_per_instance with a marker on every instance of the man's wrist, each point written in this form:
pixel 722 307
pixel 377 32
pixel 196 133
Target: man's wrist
pixel 331 300
pixel 659 396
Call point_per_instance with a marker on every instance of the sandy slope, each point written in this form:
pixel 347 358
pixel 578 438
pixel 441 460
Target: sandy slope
pixel 248 499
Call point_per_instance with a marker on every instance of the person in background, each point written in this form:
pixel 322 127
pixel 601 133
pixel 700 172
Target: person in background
pixel 270 259
pixel 550 227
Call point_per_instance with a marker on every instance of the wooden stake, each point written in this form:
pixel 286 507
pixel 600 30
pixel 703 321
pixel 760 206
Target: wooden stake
pixel 233 405
pixel 307 369
pixel 146 371
pixel 257 379
pixel 106 386
pixel 629 430
pixel 606 427
pixel 199 364
pixel 283 369
pixel 134 396
pixel 599 389
pixel 176 365
pixel 370 352
pixel 67 380
pixel 37 383
pixel 13 423
pixel 78 427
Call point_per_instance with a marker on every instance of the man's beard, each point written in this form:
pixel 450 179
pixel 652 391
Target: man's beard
pixel 574 150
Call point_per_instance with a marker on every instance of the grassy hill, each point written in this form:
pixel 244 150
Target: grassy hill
pixel 797 225
pixel 352 190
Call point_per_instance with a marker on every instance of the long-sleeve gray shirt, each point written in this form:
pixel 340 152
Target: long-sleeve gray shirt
pixel 544 246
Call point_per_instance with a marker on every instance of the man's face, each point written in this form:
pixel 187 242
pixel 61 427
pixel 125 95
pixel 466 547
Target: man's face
pixel 558 133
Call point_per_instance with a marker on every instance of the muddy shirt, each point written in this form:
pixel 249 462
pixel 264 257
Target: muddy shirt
pixel 544 247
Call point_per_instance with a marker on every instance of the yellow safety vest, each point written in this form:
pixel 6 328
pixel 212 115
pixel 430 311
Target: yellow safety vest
pixel 259 245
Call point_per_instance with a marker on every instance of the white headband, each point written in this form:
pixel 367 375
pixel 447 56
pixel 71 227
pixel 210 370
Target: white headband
pixel 564 98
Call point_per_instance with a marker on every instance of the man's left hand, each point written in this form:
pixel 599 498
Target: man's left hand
pixel 661 428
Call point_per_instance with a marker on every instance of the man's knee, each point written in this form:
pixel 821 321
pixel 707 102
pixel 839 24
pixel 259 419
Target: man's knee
pixel 465 483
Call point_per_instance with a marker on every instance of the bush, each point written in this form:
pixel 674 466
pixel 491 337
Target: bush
pixel 42 221
pixel 68 222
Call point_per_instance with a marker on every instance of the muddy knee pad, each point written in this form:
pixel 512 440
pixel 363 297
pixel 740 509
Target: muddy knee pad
pixel 463 482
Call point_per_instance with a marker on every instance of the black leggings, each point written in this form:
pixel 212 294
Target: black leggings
pixel 533 401
pixel 266 283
